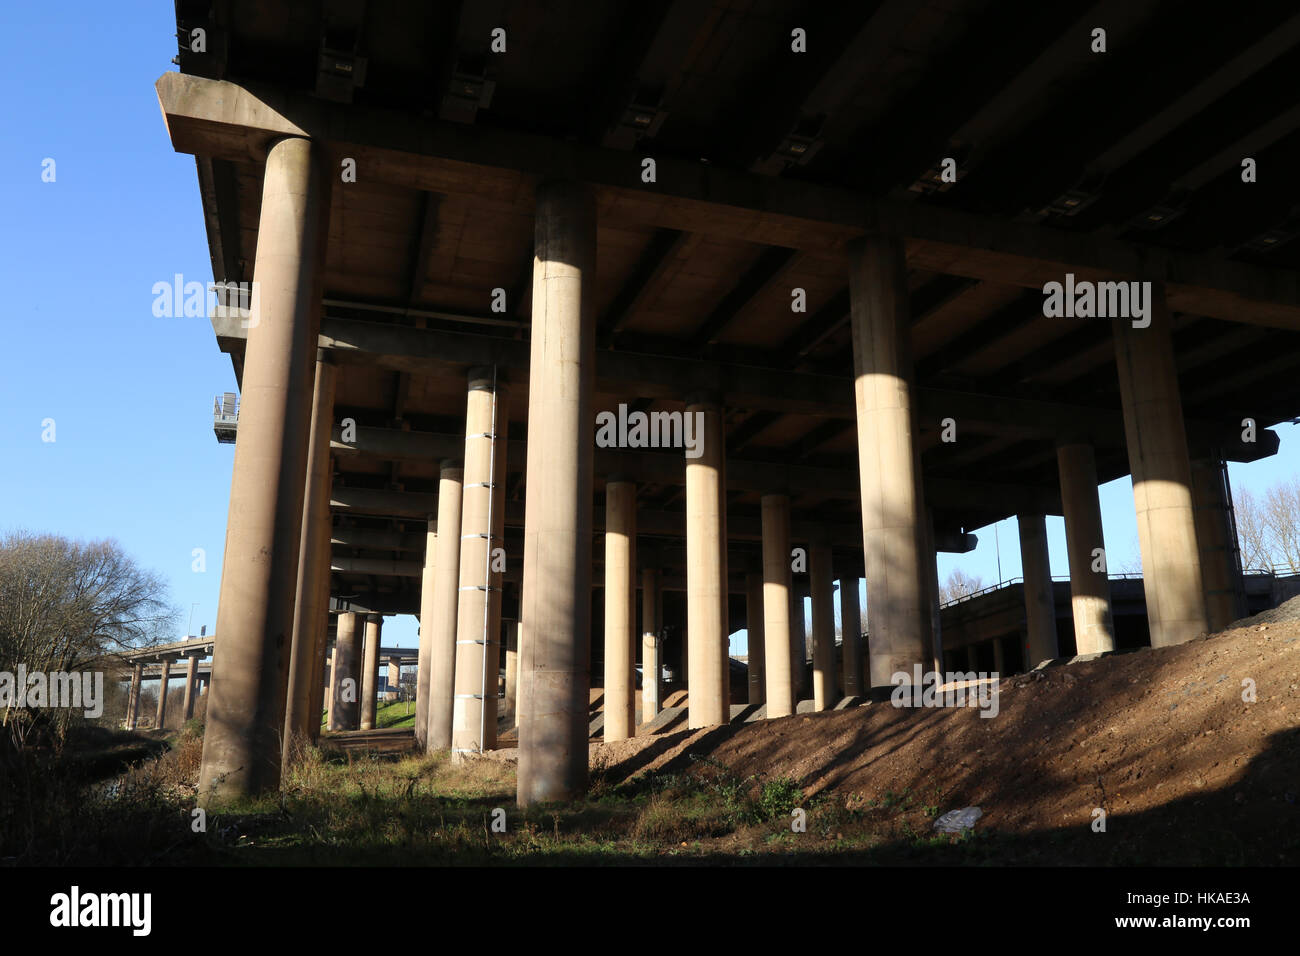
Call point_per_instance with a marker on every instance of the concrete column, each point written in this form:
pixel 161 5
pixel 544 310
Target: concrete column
pixel 1040 602
pixel 1089 589
pixel 851 635
pixel 930 562
pixel 1220 556
pixel 191 677
pixel 972 657
pixel 482 524
pixel 161 716
pixel 1162 476
pixel 320 680
pixel 779 690
pixel 799 641
pixel 754 625
pixel 553 692
pixel 250 666
pixel 706 569
pixel 440 603
pixel 312 591
pixel 370 671
pixel 512 668
pixel 893 505
pixel 345 713
pixel 652 615
pixel 133 696
pixel 620 609
pixel 394 679
pixel 999 661
pixel 822 586
pixel 330 672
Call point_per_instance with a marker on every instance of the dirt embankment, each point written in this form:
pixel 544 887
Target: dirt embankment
pixel 1199 742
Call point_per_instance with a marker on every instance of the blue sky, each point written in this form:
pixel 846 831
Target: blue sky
pixel 130 395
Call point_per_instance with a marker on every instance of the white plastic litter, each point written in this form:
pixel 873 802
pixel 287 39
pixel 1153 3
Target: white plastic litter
pixel 955 821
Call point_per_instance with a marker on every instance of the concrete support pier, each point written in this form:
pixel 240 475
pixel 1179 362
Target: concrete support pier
pixel 250 667
pixel 1220 555
pixel 133 696
pixel 754 626
pixel 1089 589
pixel 651 643
pixel 851 635
pixel 161 716
pixel 191 684
pixel 776 605
pixel 1040 603
pixel 822 586
pixel 439 605
pixel 311 601
pixel 370 671
pixel 620 609
pixel 893 505
pixel 1162 476
pixel 556 610
pixel 394 679
pixel 706 571
pixel 345 711
pixel 482 560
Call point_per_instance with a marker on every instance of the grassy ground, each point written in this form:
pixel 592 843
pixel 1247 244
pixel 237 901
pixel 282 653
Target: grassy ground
pixel 388 714
pixel 340 809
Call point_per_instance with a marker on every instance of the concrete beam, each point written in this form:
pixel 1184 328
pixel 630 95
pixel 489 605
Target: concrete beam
pixel 223 120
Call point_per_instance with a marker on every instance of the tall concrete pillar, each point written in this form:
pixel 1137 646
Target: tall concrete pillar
pixel 799 641
pixel 620 609
pixel 779 689
pixel 133 696
pixel 1040 602
pixel 822 587
pixel 330 672
pixel 999 661
pixel 893 505
pixel 345 711
pixel 161 716
pixel 250 666
pixel 519 669
pixel 440 603
pixel 1089 588
pixel 312 591
pixel 930 562
pixel 754 626
pixel 191 679
pixel 1162 476
pixel 509 707
pixel 652 615
pixel 706 570
pixel 553 693
pixel 482 535
pixel 851 635
pixel 394 679
pixel 370 671
pixel 324 650
pixel 1220 556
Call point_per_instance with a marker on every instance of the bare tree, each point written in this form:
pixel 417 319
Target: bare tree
pixel 958 585
pixel 68 605
pixel 1252 529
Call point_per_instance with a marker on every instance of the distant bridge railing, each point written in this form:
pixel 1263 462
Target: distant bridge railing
pixel 989 589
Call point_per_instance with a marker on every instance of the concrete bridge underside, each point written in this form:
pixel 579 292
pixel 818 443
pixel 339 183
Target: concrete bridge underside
pixel 461 264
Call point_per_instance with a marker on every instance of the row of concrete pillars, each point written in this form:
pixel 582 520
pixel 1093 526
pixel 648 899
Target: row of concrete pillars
pixel 194 688
pixel 277 552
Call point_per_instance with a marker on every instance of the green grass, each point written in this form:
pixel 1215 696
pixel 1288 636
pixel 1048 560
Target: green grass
pixel 387 714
